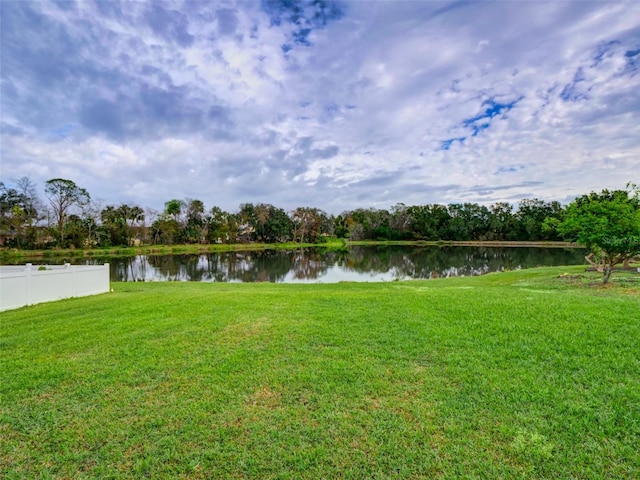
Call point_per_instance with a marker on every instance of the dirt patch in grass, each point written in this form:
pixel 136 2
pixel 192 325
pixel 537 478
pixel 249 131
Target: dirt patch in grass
pixel 236 333
pixel 264 397
pixel 625 283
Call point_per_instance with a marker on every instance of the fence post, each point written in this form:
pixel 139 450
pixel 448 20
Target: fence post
pixel 108 270
pixel 27 284
pixel 73 284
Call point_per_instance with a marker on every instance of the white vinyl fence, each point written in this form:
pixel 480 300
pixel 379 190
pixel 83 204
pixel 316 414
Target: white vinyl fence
pixel 29 284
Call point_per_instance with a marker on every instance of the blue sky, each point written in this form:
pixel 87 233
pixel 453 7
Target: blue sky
pixel 335 105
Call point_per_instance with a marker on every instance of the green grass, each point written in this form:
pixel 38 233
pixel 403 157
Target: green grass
pixel 468 243
pixel 530 374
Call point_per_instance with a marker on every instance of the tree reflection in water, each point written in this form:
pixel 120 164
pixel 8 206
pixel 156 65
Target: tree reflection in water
pixel 361 263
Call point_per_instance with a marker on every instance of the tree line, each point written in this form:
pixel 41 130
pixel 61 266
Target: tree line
pixel 69 217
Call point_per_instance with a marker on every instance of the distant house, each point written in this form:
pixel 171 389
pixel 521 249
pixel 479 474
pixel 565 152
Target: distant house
pixel 245 234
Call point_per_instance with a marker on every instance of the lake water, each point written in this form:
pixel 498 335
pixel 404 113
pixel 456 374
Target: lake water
pixel 355 264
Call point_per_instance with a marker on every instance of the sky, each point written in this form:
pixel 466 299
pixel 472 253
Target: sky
pixel 333 105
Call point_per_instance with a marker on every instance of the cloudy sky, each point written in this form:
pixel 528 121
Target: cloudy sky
pixel 335 105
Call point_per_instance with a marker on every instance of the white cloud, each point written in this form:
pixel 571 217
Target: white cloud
pixel 411 102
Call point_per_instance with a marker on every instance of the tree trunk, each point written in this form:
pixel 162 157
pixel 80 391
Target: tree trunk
pixel 61 231
pixel 598 265
pixel 607 273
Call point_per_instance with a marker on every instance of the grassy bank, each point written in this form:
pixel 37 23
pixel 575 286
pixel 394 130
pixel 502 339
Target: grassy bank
pixel 529 374
pixel 451 243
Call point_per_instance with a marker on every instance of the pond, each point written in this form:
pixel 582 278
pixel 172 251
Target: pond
pixel 356 264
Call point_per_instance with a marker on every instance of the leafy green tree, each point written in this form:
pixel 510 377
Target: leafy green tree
pixel 168 228
pixel 113 226
pixel 195 210
pixel 195 229
pixel 531 216
pixel 607 223
pixel 468 221
pixel 165 230
pixel 133 216
pixel 174 208
pixel 20 211
pixel 120 223
pixel 63 195
pixel 429 222
pixel 340 226
pixel 224 227
pixel 368 224
pixel 400 222
pixel 265 223
pixel 278 225
pixel 501 222
pixel 90 214
pixel 12 214
pixel 78 230
pixel 308 224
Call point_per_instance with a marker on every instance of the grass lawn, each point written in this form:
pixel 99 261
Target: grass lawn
pixel 529 374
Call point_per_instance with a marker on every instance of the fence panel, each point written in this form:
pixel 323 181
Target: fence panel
pixel 26 285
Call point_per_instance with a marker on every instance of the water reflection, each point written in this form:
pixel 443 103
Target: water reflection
pixel 353 264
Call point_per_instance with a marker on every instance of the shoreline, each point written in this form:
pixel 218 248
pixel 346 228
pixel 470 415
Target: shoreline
pixel 15 254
